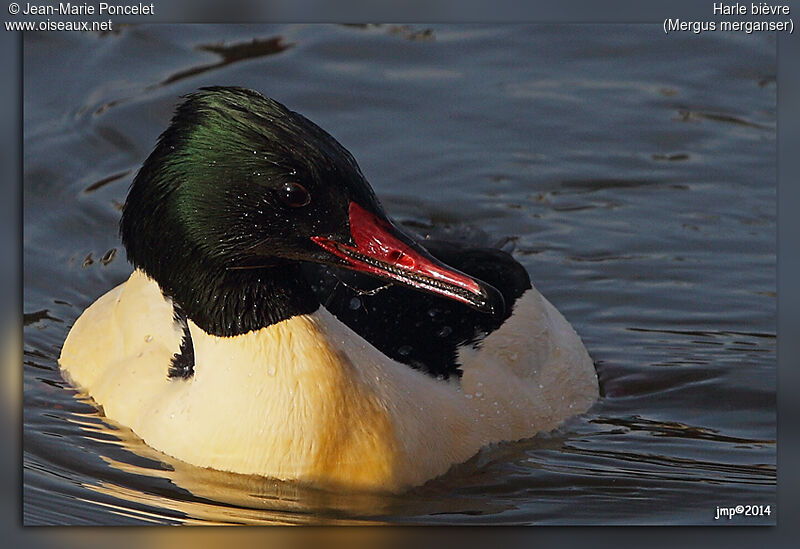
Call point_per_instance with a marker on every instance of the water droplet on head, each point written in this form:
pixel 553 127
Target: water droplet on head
pixel 355 304
pixel 444 331
pixel 405 350
pixel 271 371
pixel 148 338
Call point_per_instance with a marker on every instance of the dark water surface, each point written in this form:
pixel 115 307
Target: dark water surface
pixel 633 173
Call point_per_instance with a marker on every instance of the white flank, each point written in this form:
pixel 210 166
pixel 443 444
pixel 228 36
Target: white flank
pixel 309 399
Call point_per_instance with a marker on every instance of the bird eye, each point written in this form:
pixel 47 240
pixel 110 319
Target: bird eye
pixel 294 195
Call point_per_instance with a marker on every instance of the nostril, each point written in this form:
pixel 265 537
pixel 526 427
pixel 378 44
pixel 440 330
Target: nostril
pixel 396 257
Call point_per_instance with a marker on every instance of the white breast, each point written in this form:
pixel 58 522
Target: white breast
pixel 309 399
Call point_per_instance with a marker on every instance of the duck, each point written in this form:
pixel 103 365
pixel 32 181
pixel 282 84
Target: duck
pixel 278 323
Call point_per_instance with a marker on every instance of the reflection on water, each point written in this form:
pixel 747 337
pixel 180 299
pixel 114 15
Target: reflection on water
pixel 633 176
pixel 231 54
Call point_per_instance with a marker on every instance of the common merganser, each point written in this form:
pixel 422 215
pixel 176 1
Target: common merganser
pixel 217 350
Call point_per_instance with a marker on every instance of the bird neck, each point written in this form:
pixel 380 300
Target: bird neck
pixel 227 303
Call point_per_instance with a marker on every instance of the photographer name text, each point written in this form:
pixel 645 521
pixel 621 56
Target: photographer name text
pixel 103 8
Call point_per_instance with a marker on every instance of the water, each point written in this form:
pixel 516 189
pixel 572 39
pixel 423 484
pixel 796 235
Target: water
pixel 632 173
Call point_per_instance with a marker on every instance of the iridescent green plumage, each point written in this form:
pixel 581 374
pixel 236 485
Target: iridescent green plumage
pixel 204 205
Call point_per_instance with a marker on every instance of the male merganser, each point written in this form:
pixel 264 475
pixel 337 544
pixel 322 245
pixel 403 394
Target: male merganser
pixel 217 351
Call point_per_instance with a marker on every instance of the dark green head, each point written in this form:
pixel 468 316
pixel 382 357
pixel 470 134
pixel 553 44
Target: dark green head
pixel 239 189
pixel 235 175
